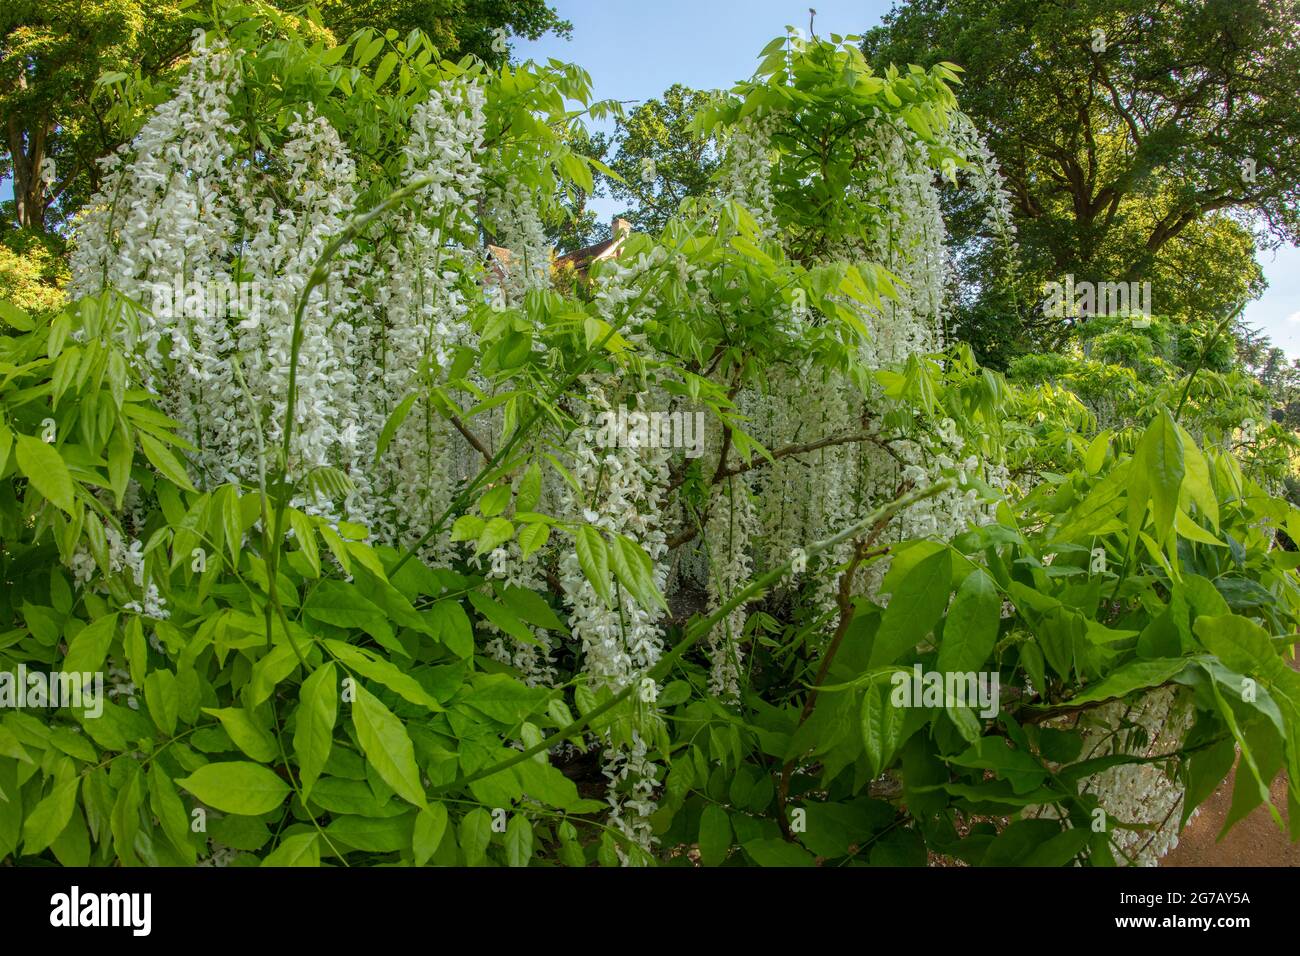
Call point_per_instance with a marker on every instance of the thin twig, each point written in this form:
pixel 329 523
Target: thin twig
pixel 470 437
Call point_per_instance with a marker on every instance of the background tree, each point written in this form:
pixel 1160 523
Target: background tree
pixel 1280 375
pixel 32 269
pixel 578 225
pixel 56 119
pixel 456 27
pixel 1128 132
pixel 661 159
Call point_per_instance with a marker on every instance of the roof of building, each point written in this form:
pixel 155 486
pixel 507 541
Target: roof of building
pixel 609 248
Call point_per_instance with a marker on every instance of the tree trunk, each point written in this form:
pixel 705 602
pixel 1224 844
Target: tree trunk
pixel 27 151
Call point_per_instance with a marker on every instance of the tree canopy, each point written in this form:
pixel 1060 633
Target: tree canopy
pixel 1127 132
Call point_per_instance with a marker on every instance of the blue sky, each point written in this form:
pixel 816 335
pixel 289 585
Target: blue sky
pixel 636 50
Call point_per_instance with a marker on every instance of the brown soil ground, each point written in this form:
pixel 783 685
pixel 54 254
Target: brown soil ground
pixel 1254 841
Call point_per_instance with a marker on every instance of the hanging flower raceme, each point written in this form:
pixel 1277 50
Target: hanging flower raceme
pixel 525 256
pixel 219 260
pixel 161 232
pixel 422 288
pixel 728 535
pixel 620 493
pixel 746 176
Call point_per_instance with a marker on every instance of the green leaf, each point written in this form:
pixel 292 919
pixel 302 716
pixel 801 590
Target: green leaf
pixel 607 853
pixel 232 520
pixel 715 835
pixel 495 533
pixel 917 603
pixel 1240 643
pixel 1059 850
pixel 750 250
pixel 46 471
pixel 385 68
pixel 387 746
pixel 268 672
pixel 1197 483
pixel 121 453
pixel 72 847
pixel 833 827
pixel 1205 770
pixel 519 841
pixel 301 849
pixel 1188 528
pixel 635 571
pixel 373 834
pixel 882 725
pixel 163 698
pixel 1264 745
pixel 570 849
pixel 305 535
pixel 1011 764
pixel 531 607
pixel 547 784
pixel 86 651
pixel 502 617
pixel 50 816
pixel 162 459
pixel 532 537
pixel 494 501
pixel 452 626
pixel 593 558
pixel 314 734
pixel 1261 778
pixel 964 719
pixel 245 732
pixel 338 547
pixel 475 835
pixel 124 818
pixel 971 628
pixel 1014 845
pixel 1156 476
pixel 170 811
pixel 240 832
pixel 503 698
pixel 1137 675
pixel 237 786
pixel 1095 456
pixel 343 605
pixel 59 329
pixel 383 672
pixel 15 317
pixel 11 746
pixel 530 489
pixel 467 528
pixel 777 852
pixel 364 54
pixel 430 824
